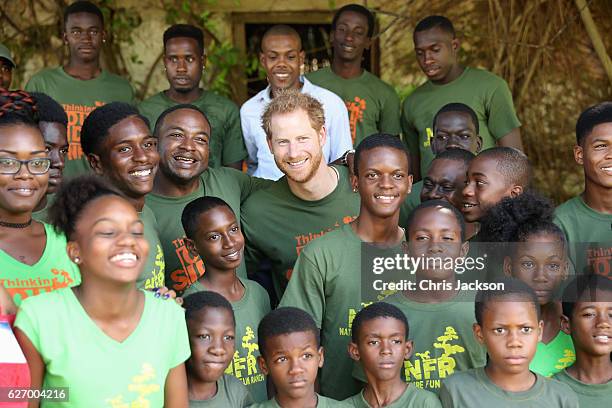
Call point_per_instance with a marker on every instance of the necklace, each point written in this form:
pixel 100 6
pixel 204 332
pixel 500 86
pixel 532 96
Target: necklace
pixel 15 224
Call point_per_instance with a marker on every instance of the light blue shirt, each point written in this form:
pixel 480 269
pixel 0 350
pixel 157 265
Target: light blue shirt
pixel 261 161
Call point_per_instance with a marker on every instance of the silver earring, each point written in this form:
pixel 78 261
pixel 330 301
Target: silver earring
pixel 77 260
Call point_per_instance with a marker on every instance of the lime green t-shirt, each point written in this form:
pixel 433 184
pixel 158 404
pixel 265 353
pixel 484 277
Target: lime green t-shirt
pixel 412 397
pixel 226 142
pixel 589 395
pixel 231 393
pixel 152 275
pixel 486 93
pixel 373 105
pixel 589 234
pixel 473 388
pixel 249 311
pixel 277 224
pixel 98 370
pixel 182 267
pixel 555 356
pixel 443 340
pixel 79 98
pixel 54 270
pixel 322 402
pixel 412 201
pixel 326 282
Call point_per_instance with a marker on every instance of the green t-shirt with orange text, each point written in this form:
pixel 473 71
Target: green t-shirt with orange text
pixel 78 99
pixel 277 224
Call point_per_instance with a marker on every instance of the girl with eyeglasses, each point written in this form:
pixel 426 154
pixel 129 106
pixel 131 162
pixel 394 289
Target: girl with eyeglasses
pixel 33 256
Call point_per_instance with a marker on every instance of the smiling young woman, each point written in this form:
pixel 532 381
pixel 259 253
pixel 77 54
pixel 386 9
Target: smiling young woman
pixel 33 255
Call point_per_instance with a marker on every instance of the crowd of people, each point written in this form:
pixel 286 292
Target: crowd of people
pixel 183 252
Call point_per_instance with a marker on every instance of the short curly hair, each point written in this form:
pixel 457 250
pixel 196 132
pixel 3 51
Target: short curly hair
pixel 49 110
pixel 285 320
pixel 374 311
pixel 291 100
pixel 200 301
pixel 197 207
pixel 98 123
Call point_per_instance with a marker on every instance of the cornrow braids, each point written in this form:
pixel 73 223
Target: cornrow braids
pixel 17 107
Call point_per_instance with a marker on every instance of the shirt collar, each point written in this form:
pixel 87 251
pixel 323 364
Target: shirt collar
pixel 307 87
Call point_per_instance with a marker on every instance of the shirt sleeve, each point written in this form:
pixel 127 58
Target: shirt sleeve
pixel 26 322
pixel 249 141
pixel 306 289
pixel 249 184
pixel 233 142
pixel 339 132
pixel 410 135
pixel 502 117
pixel 181 340
pixel 34 85
pixel 390 115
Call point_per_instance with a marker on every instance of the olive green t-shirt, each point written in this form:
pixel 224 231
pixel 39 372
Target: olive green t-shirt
pixel 326 282
pixel 373 105
pixel 226 142
pixel 231 393
pixel 555 356
pixel 248 311
pixel 412 397
pixel 277 224
pixel 589 395
pixel 322 402
pixel 589 234
pixel 412 201
pixel 42 215
pixel 182 267
pixel 152 275
pixel 79 98
pixel 473 388
pixel 443 340
pixel 486 93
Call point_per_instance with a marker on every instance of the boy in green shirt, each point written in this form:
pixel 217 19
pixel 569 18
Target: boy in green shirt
pixel 455 127
pixel 119 147
pixel 508 324
pixel 214 233
pixel 53 123
pixel 535 251
pixel 327 276
pixel 184 137
pixel 443 316
pixel 587 311
pixel 586 220
pixel 184 64
pixel 373 105
pixel 81 85
pixel 379 340
pixel 437 48
pixel 291 354
pixel 211 328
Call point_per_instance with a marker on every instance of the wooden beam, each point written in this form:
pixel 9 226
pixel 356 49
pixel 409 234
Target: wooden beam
pixel 591 28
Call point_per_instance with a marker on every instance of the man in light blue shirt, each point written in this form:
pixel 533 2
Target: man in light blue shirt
pixel 282 56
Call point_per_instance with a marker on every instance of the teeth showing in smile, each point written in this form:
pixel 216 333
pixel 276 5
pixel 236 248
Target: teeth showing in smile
pixel 297 163
pixel 348 48
pixel 384 197
pixel 607 169
pixel 125 256
pixel 232 255
pixel 141 173
pixel 602 338
pixel 282 76
pixel 184 159
pixel 466 205
pixel 24 190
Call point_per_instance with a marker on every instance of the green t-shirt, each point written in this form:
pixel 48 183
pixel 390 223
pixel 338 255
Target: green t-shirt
pixel 443 340
pixel 326 282
pixel 79 98
pixel 54 270
pixel 486 93
pixel 182 268
pixel 372 104
pixel 473 388
pixel 412 397
pixel 555 356
pixel 589 234
pixel 277 224
pixel 42 215
pixel 98 370
pixel 231 393
pixel 589 395
pixel 412 201
pixel 249 311
pixel 226 142
pixel 322 402
pixel 152 275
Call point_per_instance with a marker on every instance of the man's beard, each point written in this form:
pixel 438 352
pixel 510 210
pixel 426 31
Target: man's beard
pixel 176 178
pixel 315 162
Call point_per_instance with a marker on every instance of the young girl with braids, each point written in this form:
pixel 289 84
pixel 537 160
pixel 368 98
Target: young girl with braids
pixel 536 253
pixel 33 256
pixel 110 343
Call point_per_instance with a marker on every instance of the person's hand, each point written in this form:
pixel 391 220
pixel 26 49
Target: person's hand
pixel 166 293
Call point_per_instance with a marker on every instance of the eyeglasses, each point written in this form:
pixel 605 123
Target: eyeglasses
pixel 35 166
pixel 80 33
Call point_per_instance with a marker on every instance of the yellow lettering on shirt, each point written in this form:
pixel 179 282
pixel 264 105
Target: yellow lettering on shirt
pixel 243 365
pixel 429 133
pixel 157 274
pixel 142 384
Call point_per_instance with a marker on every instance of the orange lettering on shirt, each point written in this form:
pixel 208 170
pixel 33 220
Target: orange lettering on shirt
pixel 600 261
pixel 192 267
pixel 76 116
pixel 355 109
